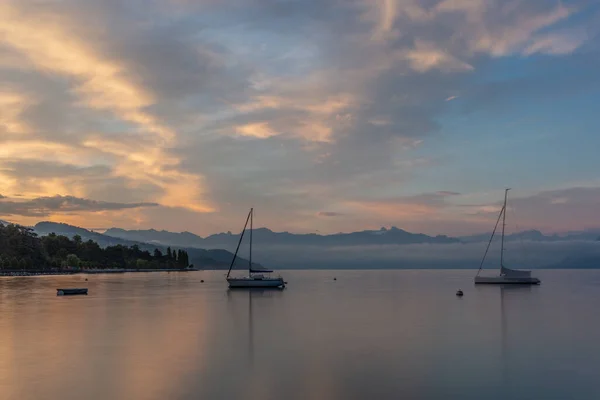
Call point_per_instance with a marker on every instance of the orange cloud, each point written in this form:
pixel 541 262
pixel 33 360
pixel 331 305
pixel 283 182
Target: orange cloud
pixel 50 46
pixel 258 130
pixel 315 119
pixel 11 106
pixel 392 209
pixel 101 84
pixel 40 150
pixel 144 162
pixel 426 56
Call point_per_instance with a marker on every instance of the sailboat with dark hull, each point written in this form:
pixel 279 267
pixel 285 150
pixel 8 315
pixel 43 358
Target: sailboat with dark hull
pixel 507 275
pixel 257 278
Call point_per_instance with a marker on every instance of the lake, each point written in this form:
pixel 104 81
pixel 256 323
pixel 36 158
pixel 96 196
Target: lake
pixel 383 334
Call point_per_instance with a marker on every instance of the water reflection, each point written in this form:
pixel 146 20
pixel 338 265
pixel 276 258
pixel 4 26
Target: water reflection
pixel 125 335
pixel 370 334
pixel 236 299
pixel 507 292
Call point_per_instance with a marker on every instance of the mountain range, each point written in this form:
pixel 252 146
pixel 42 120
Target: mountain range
pixel 201 258
pixel 382 236
pixel 537 236
pixel 383 248
pixel 264 235
pixel 391 248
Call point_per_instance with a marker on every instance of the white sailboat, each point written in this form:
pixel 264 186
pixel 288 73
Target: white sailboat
pixel 256 277
pixel 507 275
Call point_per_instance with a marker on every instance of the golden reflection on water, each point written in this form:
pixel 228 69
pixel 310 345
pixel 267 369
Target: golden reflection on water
pixel 370 334
pixel 143 340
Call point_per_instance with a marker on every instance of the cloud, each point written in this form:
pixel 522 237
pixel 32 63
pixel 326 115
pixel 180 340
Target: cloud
pixel 102 83
pixel 426 56
pixel 47 169
pixel 500 28
pixel 12 105
pixel 563 209
pixel 560 210
pixel 208 107
pixel 329 214
pixel 444 193
pixel 555 43
pixel 258 130
pixel 44 206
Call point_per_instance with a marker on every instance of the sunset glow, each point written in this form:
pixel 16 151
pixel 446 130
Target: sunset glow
pixel 323 115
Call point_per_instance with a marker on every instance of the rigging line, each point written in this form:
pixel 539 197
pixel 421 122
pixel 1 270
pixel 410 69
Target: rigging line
pixel 492 237
pixel 238 245
pixel 251 229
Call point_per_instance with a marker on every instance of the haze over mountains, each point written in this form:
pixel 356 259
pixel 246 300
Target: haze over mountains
pixel 201 258
pixel 383 236
pixel 264 235
pixel 369 249
pixel 394 248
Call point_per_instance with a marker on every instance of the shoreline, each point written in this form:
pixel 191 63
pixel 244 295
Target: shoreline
pixel 89 272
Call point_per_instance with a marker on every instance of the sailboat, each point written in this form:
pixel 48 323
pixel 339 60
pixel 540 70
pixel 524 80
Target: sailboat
pixel 256 277
pixel 507 275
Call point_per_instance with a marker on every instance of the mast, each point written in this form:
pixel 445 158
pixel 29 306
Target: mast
pixel 251 229
pixel 490 241
pixel 503 226
pixel 239 242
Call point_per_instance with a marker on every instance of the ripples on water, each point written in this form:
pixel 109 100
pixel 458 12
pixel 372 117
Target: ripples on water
pixel 367 335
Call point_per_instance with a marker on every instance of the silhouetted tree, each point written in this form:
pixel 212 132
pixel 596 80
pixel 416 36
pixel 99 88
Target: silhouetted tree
pixel 21 248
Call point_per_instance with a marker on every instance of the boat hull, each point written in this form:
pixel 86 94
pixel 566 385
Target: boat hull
pixel 502 280
pixel 249 283
pixel 71 292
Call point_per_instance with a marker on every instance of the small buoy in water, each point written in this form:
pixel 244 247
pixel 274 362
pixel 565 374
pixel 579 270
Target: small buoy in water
pixel 201 280
pixel 335 279
pixel 86 279
pixel 459 292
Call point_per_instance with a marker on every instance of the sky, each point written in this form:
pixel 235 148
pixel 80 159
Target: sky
pixel 324 115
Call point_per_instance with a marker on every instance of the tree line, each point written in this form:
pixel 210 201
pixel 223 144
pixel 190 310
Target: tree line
pixel 22 249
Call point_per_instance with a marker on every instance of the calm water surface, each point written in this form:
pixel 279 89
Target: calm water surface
pixel 367 335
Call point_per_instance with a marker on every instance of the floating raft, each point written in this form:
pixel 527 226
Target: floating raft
pixel 72 291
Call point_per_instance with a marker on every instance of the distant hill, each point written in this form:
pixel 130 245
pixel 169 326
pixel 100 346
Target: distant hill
pixel 201 258
pixel 385 248
pixel 587 260
pixel 264 235
pixel 45 228
pixel 534 235
pixel 154 236
pixel 373 249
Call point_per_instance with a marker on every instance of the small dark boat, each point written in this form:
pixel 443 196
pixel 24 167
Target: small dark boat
pixel 72 291
pixel 459 292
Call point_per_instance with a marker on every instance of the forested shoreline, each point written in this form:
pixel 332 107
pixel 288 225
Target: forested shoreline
pixel 21 249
